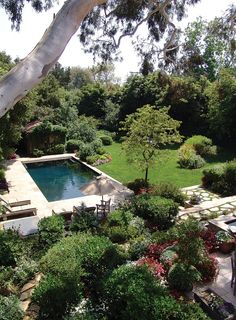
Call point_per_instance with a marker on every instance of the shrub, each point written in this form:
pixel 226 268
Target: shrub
pixel 38 153
pixel 24 271
pixel 2 174
pixel 168 256
pixel 208 269
pixel 209 238
pixel 86 150
pixel 56 296
pixel 9 241
pixel 138 248
pixel 202 145
pixel 230 178
pixel 169 308
pixel 72 145
pixel 169 191
pixel 157 210
pixel 10 308
pixel 57 149
pixel 212 177
pixel 119 217
pixel 188 158
pixel 96 145
pixel 101 151
pixel 92 159
pixel 84 222
pixel 182 276
pixel 117 234
pixel 137 185
pixel 50 229
pixel 155 249
pixel 106 140
pixel 154 266
pixel 130 293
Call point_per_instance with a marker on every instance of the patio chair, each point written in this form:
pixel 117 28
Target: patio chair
pixel 233 278
pixel 104 208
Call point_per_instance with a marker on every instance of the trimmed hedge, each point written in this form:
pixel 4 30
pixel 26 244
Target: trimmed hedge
pixel 157 210
pixel 221 179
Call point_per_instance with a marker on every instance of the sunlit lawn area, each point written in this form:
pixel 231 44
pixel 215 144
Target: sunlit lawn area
pixel 166 168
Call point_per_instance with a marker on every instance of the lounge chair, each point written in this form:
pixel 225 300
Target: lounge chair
pixel 16 214
pixel 14 204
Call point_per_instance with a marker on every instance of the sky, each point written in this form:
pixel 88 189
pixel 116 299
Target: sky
pixel 19 44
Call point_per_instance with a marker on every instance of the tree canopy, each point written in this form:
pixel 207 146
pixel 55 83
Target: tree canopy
pixel 103 25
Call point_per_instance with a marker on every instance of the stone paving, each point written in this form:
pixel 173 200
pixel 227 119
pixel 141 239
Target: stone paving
pixel 222 283
pixel 211 205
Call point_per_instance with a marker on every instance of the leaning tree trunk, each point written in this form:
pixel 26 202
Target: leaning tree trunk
pixel 34 68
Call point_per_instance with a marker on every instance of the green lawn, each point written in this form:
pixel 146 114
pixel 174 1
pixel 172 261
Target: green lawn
pixel 166 168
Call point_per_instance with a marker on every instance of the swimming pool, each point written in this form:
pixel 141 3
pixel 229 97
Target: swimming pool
pixel 60 179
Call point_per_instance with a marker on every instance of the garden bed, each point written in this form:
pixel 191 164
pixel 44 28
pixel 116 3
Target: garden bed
pixel 215 306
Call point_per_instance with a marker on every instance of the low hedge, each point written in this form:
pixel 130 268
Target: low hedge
pixel 157 210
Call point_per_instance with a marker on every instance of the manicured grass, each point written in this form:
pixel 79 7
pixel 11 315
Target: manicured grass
pixel 166 168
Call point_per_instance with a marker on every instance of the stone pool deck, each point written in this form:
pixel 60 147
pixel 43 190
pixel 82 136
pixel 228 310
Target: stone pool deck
pixel 23 187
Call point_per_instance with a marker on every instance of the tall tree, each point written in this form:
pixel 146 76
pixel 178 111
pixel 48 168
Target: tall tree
pixel 111 19
pixel 147 130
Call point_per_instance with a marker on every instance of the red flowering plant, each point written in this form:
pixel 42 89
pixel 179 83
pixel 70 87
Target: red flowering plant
pixel 209 269
pixel 154 266
pixel 155 249
pixel 210 240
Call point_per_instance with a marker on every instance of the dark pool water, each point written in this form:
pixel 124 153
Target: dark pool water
pixel 61 179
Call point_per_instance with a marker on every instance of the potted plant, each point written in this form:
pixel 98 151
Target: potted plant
pixel 225 241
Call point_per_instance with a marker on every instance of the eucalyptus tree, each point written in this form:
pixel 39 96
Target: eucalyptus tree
pixel 103 24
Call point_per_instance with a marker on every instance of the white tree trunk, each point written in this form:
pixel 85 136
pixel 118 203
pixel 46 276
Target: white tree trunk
pixel 34 68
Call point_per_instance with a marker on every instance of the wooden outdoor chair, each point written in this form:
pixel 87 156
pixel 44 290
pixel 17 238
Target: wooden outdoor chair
pixel 104 208
pixel 17 214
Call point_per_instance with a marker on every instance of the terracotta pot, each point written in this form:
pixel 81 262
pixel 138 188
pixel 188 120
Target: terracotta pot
pixel 226 247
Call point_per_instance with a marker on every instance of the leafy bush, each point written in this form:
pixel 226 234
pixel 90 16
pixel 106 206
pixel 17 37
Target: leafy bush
pixel 9 241
pixel 101 151
pixel 84 222
pixel 221 179
pixel 187 158
pixel 85 151
pixel 137 185
pixel 202 145
pixel 157 210
pixel 56 296
pixel 154 266
pixel 212 177
pixel 208 269
pixel 95 256
pixel 50 229
pixel 97 145
pixel 138 248
pixel 169 308
pixel 106 140
pixel 182 277
pixel 10 308
pixel 57 149
pixel 168 256
pixel 2 174
pixel 117 234
pixel 119 217
pixel 130 293
pixel 38 153
pixel 169 191
pixel 24 271
pixel 72 145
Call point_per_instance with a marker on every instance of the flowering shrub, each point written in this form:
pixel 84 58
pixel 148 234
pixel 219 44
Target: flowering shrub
pixel 155 249
pixel 155 267
pixel 209 238
pixel 209 268
pixel 168 257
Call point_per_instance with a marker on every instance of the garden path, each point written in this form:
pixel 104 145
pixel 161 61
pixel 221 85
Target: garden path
pixel 211 205
pixel 221 285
